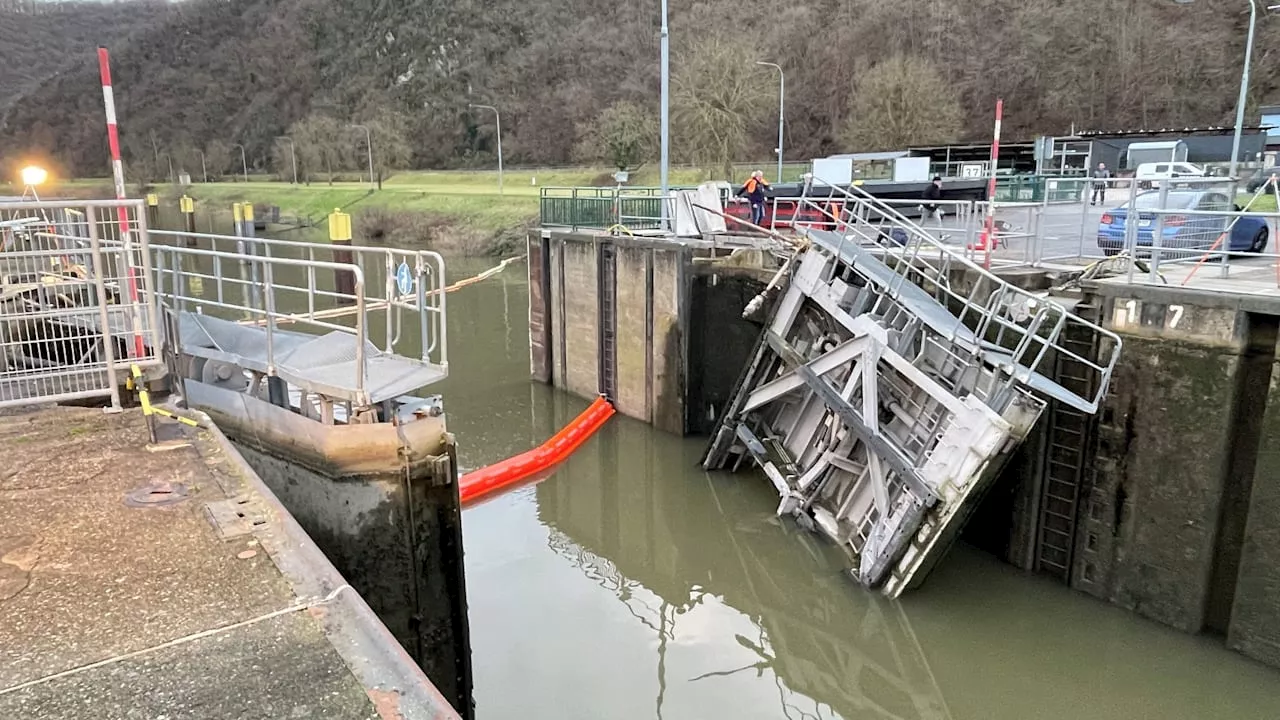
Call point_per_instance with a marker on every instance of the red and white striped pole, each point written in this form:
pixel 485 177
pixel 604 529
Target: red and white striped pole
pixel 989 228
pixel 117 172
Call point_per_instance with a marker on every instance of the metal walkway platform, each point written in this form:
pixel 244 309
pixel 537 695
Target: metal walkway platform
pixel 330 364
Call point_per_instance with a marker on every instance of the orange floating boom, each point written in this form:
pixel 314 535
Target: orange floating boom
pixel 488 480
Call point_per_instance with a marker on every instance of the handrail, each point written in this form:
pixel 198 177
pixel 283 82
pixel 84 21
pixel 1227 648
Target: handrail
pixel 1040 329
pixel 427 299
pixel 268 312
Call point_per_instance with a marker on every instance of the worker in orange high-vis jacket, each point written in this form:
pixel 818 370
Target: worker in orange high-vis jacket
pixel 753 190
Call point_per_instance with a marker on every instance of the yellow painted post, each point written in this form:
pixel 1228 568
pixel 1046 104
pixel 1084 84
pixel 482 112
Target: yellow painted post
pixel 340 236
pixel 248 231
pixel 144 397
pixel 188 207
pixel 153 209
pixel 339 226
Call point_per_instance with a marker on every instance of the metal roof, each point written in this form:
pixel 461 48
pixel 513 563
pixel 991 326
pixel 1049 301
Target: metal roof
pixel 1207 130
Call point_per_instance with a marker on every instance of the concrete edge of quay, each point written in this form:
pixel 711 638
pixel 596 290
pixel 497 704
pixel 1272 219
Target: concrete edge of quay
pixel 395 683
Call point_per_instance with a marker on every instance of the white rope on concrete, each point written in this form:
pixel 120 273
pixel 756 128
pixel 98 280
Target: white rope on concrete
pixel 178 641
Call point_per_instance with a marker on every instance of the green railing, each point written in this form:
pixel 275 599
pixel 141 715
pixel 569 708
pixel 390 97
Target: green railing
pixel 1019 188
pixel 636 208
pixel 1039 188
pixel 1065 190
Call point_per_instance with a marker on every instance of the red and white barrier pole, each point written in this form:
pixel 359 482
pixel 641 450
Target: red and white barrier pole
pixel 989 231
pixel 117 172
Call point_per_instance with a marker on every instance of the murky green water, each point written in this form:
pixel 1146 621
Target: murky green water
pixel 631 585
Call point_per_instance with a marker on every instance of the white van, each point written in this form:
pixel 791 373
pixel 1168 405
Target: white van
pixel 1168 171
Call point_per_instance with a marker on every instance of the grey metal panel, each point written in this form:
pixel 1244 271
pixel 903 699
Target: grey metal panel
pixel 916 299
pixel 324 363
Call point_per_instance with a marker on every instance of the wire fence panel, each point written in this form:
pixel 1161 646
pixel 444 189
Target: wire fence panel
pixel 77 307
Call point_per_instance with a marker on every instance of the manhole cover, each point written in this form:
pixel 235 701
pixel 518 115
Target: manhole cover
pixel 157 494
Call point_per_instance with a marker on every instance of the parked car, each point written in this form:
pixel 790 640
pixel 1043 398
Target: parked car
pixel 1177 174
pixel 1184 232
pixel 1169 171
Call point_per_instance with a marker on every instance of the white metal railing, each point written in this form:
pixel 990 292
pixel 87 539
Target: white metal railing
pixel 1004 318
pixel 77 300
pixel 316 290
pixel 81 284
pixel 183 285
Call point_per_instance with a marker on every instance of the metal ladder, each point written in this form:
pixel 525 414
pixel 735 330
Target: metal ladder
pixel 1064 469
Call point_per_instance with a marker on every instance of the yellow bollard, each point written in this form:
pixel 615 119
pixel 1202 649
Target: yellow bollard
pixel 339 226
pixel 188 207
pixel 340 235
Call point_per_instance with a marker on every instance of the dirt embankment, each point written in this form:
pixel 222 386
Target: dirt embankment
pixel 435 231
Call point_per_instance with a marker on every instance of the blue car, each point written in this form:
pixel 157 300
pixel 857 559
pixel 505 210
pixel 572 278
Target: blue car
pixel 1184 232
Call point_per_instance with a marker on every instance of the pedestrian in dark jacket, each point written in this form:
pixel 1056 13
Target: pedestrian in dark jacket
pixel 932 195
pixel 1100 177
pixel 754 191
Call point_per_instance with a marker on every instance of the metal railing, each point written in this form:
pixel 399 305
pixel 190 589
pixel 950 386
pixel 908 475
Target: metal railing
pixel 177 277
pixel 635 208
pixel 1214 230
pixel 1016 328
pixel 320 285
pixel 77 300
pixel 598 208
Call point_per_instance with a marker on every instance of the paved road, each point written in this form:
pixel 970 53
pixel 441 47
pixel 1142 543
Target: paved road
pixel 1068 232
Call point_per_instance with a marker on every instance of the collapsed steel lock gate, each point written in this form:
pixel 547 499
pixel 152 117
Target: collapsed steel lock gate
pixel 884 396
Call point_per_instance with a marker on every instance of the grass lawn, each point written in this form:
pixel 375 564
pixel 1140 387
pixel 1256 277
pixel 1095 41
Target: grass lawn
pixel 463 198
pixel 473 205
pixel 1264 203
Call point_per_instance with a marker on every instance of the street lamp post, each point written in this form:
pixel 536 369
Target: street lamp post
pixel 782 109
pixel 170 159
pixel 664 164
pixel 243 164
pixel 204 169
pixel 293 156
pixel 368 139
pixel 1244 85
pixel 498 123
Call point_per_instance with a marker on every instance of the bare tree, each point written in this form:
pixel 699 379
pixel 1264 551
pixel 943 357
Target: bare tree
pixel 624 134
pixel 321 144
pixel 391 148
pixel 902 101
pixel 717 97
pixel 217 157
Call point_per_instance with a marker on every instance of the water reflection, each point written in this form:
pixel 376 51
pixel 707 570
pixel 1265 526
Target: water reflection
pixel 701 552
pixel 631 585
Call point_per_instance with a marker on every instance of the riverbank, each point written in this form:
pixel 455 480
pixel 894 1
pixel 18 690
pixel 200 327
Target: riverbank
pixel 454 219
pixel 456 212
pixel 459 213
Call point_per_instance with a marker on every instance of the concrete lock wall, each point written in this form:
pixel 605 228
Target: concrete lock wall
pixel 615 322
pixel 1255 613
pixel 574 294
pixel 1181 518
pixel 655 326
